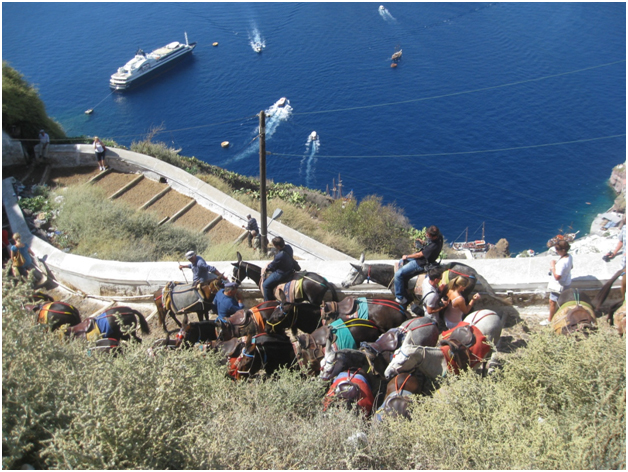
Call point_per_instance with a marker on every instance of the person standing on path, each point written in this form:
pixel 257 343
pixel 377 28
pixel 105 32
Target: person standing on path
pixel 44 141
pixel 200 269
pixel 252 228
pixel 22 257
pixel 100 150
pixel 560 271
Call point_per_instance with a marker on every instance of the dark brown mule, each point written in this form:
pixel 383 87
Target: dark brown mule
pixel 385 314
pixel 264 352
pixel 57 314
pixel 113 319
pixel 314 286
pixel 399 393
pixel 303 316
pixel 617 312
pixel 196 332
pixel 248 321
pixel 176 298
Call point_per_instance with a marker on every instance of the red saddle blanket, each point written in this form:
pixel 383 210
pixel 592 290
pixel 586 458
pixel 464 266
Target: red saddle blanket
pixel 473 354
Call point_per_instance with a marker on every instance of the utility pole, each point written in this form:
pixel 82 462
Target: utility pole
pixel 262 182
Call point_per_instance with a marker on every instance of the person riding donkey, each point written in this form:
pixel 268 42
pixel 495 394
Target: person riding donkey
pixel 415 263
pixel 200 269
pixel 282 266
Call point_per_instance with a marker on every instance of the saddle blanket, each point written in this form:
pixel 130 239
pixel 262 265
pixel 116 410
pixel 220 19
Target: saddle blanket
pixel 101 328
pixel 366 401
pixel 478 352
pixel 181 297
pixel 293 290
pixel 344 338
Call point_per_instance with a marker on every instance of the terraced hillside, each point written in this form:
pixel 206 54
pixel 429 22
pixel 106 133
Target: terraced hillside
pixel 139 192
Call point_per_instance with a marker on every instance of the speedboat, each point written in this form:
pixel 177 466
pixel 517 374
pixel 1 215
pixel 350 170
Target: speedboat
pixel 257 47
pixel 313 136
pixel 381 8
pixel 396 56
pixel 281 102
pixel 144 64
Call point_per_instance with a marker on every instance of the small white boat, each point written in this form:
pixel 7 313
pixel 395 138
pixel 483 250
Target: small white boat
pixel 225 144
pixel 144 64
pixel 257 47
pixel 381 8
pixel 281 102
pixel 396 56
pixel 313 136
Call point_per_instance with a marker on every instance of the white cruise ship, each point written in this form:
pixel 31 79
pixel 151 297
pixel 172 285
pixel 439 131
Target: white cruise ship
pixel 143 65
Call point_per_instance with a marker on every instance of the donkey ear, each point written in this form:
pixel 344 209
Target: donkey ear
pixel 282 296
pixel 362 259
pixel 328 346
pixel 185 321
pixel 355 266
pixel 239 257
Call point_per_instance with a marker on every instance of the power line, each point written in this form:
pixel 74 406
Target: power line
pixel 453 94
pixel 533 146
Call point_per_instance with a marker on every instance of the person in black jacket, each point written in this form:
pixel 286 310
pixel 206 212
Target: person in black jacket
pixel 252 228
pixel 282 267
pixel 417 262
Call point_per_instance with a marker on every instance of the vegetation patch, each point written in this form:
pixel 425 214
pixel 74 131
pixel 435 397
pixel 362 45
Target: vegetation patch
pixel 557 404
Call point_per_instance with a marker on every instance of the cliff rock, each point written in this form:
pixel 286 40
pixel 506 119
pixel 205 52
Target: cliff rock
pixel 499 251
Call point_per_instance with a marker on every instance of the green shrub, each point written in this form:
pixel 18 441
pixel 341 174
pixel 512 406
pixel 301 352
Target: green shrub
pixel 379 228
pixel 22 107
pixel 557 404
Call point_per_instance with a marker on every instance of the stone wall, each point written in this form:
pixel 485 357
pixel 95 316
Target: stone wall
pixel 12 151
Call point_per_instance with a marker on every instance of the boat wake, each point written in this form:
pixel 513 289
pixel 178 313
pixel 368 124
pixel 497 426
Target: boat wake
pixel 385 14
pixel 312 146
pixel 256 41
pixel 279 112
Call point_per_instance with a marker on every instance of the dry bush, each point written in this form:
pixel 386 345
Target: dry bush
pixel 113 230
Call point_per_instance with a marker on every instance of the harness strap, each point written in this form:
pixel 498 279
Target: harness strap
pixel 397 388
pixel 461 274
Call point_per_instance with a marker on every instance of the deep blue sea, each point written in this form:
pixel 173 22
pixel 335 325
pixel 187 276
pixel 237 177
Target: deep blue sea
pixel 513 114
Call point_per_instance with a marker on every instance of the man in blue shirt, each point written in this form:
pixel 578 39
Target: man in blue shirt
pixel 282 267
pixel 228 301
pixel 200 269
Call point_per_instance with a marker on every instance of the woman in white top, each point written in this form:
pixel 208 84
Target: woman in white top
pixel 560 271
pixel 100 150
pixel 458 307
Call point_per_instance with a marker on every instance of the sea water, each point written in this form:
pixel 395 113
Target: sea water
pixel 512 114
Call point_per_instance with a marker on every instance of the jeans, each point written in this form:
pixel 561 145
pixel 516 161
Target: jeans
pixel 404 274
pixel 274 279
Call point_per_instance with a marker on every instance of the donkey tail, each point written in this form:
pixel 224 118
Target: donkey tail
pixel 143 323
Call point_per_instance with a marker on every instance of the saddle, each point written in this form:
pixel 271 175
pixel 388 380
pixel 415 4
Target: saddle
pixel 307 349
pixel 464 346
pixel 389 341
pixel 344 307
pixel 182 298
pixel 573 316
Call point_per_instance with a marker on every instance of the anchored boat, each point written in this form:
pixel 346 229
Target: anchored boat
pixel 143 65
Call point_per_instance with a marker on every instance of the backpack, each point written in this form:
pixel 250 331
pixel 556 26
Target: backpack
pixel 18 258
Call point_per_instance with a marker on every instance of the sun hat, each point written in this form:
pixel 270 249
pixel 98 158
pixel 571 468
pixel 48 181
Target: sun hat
pixel 190 254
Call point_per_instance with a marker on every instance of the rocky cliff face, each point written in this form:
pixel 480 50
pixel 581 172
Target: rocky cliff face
pixel 618 179
pixel 618 182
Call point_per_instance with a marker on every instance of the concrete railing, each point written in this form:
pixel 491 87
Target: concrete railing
pixel 120 279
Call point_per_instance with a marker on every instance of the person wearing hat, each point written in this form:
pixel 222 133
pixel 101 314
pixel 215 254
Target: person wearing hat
pixel 282 267
pixel 44 141
pixel 560 271
pixel 200 269
pixel 227 301
pixel 417 261
pixel 252 228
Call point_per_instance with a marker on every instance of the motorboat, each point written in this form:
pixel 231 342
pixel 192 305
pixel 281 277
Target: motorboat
pixel 396 56
pixel 281 102
pixel 143 65
pixel 313 136
pixel 257 47
pixel 381 8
